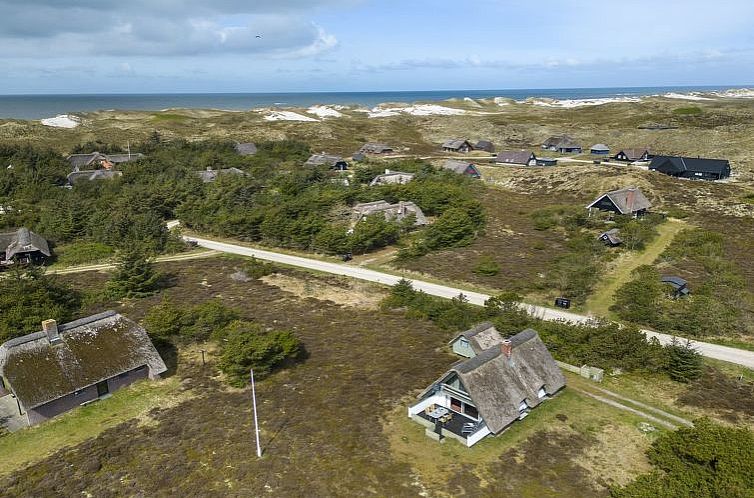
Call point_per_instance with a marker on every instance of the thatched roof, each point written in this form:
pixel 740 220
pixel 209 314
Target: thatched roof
pixel 375 148
pixel 93 175
pixel 627 200
pixel 246 149
pixel 515 157
pixel 22 240
pixel 485 145
pixel 83 160
pixel 498 384
pixel 210 175
pixel 456 144
pixel 89 351
pixel 393 177
pixel 397 211
pixel 323 159
pixel 600 148
pixel 561 142
pixel 459 167
pixel 481 337
pixel 634 154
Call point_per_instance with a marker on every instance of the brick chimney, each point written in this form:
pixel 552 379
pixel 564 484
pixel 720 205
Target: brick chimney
pixel 507 348
pixel 50 327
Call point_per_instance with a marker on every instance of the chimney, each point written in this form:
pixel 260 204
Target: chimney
pixel 50 327
pixel 387 171
pixel 507 348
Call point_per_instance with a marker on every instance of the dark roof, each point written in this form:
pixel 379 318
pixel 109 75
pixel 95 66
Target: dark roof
pixel 456 143
pixel 123 158
pixel 375 148
pixel 677 164
pixel 90 350
pixel 323 159
pixel 246 149
pixel 485 145
pixel 676 282
pixel 515 157
pixel 21 241
pixel 210 175
pixel 93 175
pixel 497 384
pixel 627 200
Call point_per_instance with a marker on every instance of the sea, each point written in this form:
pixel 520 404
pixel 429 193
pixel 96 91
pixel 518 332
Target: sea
pixel 44 106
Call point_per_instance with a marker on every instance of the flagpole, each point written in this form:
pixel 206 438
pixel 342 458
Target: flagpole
pixel 256 423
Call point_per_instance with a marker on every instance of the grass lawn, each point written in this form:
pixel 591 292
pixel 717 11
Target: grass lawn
pixel 36 443
pixel 604 293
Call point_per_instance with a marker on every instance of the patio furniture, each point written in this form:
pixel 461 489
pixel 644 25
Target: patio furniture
pixel 438 412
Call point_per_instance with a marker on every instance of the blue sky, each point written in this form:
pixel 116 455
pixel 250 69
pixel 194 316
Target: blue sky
pixel 109 46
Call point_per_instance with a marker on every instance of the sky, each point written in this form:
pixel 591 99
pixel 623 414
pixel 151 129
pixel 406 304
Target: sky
pixel 171 46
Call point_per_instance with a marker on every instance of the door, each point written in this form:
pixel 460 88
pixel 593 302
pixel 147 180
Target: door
pixel 102 389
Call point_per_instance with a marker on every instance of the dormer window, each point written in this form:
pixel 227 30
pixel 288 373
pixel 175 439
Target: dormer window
pixel 541 393
pixel 464 342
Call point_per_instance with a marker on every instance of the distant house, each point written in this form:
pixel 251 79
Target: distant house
pixel 611 237
pixel 23 247
pixel 680 286
pixel 600 150
pixel 333 162
pixel 246 149
pixel 497 385
pixel 691 167
pixel 375 148
pixel 64 366
pixel 392 177
pixel 462 168
pixel 633 155
pixel 359 157
pixel 485 145
pixel 457 145
pixel 627 201
pixel 209 175
pixel 92 175
pixel 96 160
pixel 516 157
pixel 563 144
pixel 546 161
pixel 392 212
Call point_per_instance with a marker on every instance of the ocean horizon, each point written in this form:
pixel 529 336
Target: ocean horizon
pixel 39 106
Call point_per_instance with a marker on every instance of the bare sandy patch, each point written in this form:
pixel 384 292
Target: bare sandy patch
pixel 348 293
pixel 618 455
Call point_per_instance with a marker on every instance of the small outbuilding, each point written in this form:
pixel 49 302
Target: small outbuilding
pixel 65 366
pixel 462 168
pixel 695 168
pixel 23 247
pixel 611 237
pixel 679 285
pixel 626 201
pixel 547 161
pixel 333 162
pixel 483 395
pixel 516 158
pixel 600 150
pixel 210 175
pixel 457 145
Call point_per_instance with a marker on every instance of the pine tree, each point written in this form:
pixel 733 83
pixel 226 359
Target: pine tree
pixel 134 275
pixel 684 361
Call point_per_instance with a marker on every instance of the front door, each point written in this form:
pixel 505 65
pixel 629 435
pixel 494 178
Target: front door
pixel 102 389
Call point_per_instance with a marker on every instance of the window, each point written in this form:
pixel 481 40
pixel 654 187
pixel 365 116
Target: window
pixel 471 411
pixel 455 405
pixel 464 342
pixel 541 393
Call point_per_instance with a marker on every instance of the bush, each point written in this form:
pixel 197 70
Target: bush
pixel 487 266
pixel 688 111
pixel 706 460
pixel 134 275
pixel 637 300
pixel 684 362
pixel 80 253
pixel 454 228
pixel 256 268
pixel 167 322
pixel 246 346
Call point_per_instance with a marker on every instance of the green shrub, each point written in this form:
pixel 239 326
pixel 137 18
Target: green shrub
pixel 706 460
pixel 81 253
pixel 487 266
pixel 134 275
pixel 256 268
pixel 245 346
pixel 684 361
pixel 168 322
pixel 638 301
pixel 688 111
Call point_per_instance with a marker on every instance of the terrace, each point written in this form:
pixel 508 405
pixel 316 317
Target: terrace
pixel 451 422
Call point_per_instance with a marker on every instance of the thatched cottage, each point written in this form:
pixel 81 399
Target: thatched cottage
pixel 210 175
pixel 498 384
pixel 23 246
pixel 392 212
pixel 65 366
pixel 333 162
pixel 392 177
pixel 462 168
pixel 457 145
pixel 627 201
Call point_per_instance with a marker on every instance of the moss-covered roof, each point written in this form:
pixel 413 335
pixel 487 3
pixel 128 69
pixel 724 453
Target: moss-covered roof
pixel 90 350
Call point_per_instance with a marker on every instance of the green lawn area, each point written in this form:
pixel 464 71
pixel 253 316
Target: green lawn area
pixel 603 296
pixel 35 443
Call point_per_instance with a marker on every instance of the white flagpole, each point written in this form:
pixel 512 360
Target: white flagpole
pixel 256 423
